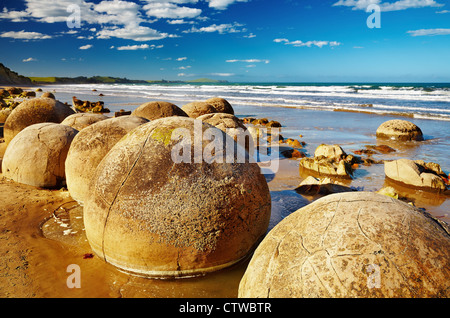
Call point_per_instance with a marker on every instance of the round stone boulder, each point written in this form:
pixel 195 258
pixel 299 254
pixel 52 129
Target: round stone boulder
pixel 158 109
pixel 398 129
pixel 221 105
pixel 155 214
pixel 231 125
pixel 356 244
pixel 88 149
pixel 36 155
pixel 34 111
pixel 82 120
pixel 48 95
pixel 196 109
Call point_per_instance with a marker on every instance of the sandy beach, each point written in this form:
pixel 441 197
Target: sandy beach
pixel 42 231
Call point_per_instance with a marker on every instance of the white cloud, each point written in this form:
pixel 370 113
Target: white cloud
pixel 23 35
pixel 249 61
pixel 133 47
pixel 429 32
pixel 388 6
pixel 222 4
pixel 299 43
pixel 250 36
pixel 184 67
pixel 181 58
pixel 170 11
pixel 137 33
pixel 14 16
pixel 30 59
pixel 180 21
pixel 443 11
pixel 221 28
pixel 86 47
pixel 222 74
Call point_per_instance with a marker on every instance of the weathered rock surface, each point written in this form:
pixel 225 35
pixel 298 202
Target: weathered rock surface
pixel 221 105
pixel 158 109
pixel 88 149
pixel 358 244
pixel 196 109
pixel 415 174
pixel 82 120
pixel 399 130
pixel 151 215
pixel 33 111
pixel 36 155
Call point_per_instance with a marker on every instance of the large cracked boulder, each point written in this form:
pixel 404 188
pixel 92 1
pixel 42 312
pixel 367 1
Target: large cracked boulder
pixel 33 111
pixel 152 214
pixel 158 109
pixel 415 174
pixel 359 244
pixel 88 149
pixel 36 155
pixel 398 129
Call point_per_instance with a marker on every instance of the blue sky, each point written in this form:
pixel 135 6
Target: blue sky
pixel 234 40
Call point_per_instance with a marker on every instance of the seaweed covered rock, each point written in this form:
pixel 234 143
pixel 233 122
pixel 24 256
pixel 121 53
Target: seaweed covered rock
pixel 355 244
pixel 82 120
pixel 221 105
pixel 88 149
pixel 158 109
pixel 33 111
pixel 398 129
pixel 196 109
pixel 87 106
pixel 36 155
pixel 157 216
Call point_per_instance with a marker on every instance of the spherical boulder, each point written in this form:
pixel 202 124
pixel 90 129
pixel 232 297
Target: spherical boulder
pixel 152 214
pixel 36 155
pixel 398 129
pixel 356 244
pixel 33 111
pixel 88 149
pixel 221 105
pixel 82 120
pixel 231 125
pixel 196 109
pixel 48 95
pixel 158 109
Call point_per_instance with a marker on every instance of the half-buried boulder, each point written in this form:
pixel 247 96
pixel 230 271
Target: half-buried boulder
pixel 155 215
pixel 36 155
pixel 88 149
pixel 158 109
pixel 33 111
pixel 196 109
pixel 398 129
pixel 355 244
pixel 82 120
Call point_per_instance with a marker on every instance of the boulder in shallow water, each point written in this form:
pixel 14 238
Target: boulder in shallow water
pixel 36 155
pixel 150 215
pixel 356 244
pixel 415 175
pixel 398 129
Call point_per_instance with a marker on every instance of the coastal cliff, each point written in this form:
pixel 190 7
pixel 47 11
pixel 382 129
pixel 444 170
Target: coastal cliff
pixel 10 77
